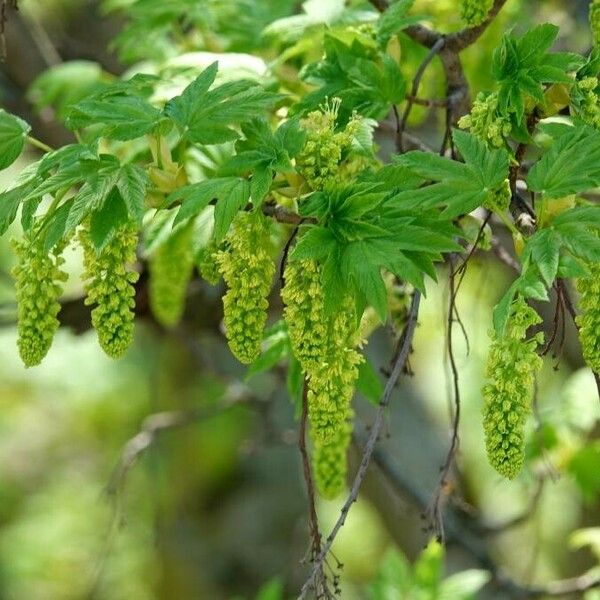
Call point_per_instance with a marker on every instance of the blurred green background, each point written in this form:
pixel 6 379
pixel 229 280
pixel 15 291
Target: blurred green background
pixel 216 508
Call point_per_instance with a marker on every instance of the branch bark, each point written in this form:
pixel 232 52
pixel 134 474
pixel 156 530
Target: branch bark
pixel 370 444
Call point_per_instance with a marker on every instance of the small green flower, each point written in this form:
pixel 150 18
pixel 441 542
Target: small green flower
pixel 330 463
pixel 499 199
pixel 511 367
pixel 109 287
pixel 485 122
pixel 171 267
pixel 320 160
pixel 589 319
pixel 248 270
pixel 209 265
pixel 304 312
pixel 586 99
pixel 325 346
pixel 38 277
pixel 475 12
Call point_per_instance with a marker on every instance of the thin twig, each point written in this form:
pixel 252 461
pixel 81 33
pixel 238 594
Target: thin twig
pixel 433 51
pixel 286 251
pixel 441 490
pixel 370 445
pixel 571 310
pixel 471 541
pixel 313 519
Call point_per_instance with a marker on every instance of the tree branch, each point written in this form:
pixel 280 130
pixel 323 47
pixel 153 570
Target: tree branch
pixel 399 365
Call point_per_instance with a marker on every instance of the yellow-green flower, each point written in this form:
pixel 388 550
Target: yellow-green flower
pixel 320 160
pixel 209 265
pixel 475 12
pixel 485 122
pixel 511 367
pixel 589 319
pixel 109 286
pixel 325 346
pixel 171 266
pixel 330 463
pixel 38 278
pixel 248 270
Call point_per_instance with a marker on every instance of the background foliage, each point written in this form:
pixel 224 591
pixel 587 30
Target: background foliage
pixel 216 508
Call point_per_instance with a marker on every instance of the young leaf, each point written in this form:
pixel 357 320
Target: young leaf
pixel 571 165
pixel 122 117
pixel 394 19
pixel 103 222
pixel 232 200
pixel 364 83
pixel 459 187
pixel 131 183
pixel 544 249
pixel 522 66
pixel 206 116
pixel 13 132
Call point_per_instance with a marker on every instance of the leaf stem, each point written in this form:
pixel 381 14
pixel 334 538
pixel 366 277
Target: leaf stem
pixel 39 144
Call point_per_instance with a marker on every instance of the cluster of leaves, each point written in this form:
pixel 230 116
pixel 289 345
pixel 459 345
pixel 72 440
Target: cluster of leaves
pixel 231 148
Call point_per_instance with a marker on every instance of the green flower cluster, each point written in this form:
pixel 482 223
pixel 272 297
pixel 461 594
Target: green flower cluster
pixel 38 276
pixel 485 122
pixel 325 348
pixel 171 267
pixel 475 12
pixel 331 382
pixel 109 286
pixel 330 462
pixel 304 312
pixel 499 199
pixel 319 161
pixel 511 367
pixel 208 265
pixel 589 319
pixel 595 21
pixel 248 270
pixel 588 100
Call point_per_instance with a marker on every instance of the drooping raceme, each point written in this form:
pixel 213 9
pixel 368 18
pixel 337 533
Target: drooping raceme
pixel 511 367
pixel 109 278
pixel 248 270
pixel 38 289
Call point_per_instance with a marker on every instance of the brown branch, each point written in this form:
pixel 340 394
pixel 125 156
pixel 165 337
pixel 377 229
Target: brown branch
pixel 468 36
pixel 313 520
pixel 399 365
pixel 437 508
pixel 433 51
pixel 428 102
pixel 568 302
pixel 471 541
pixel 283 215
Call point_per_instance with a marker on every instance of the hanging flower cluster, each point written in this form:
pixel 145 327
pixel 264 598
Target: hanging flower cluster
pixel 171 267
pixel 38 289
pixel 325 347
pixel 511 367
pixel 589 319
pixel 109 286
pixel 248 270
